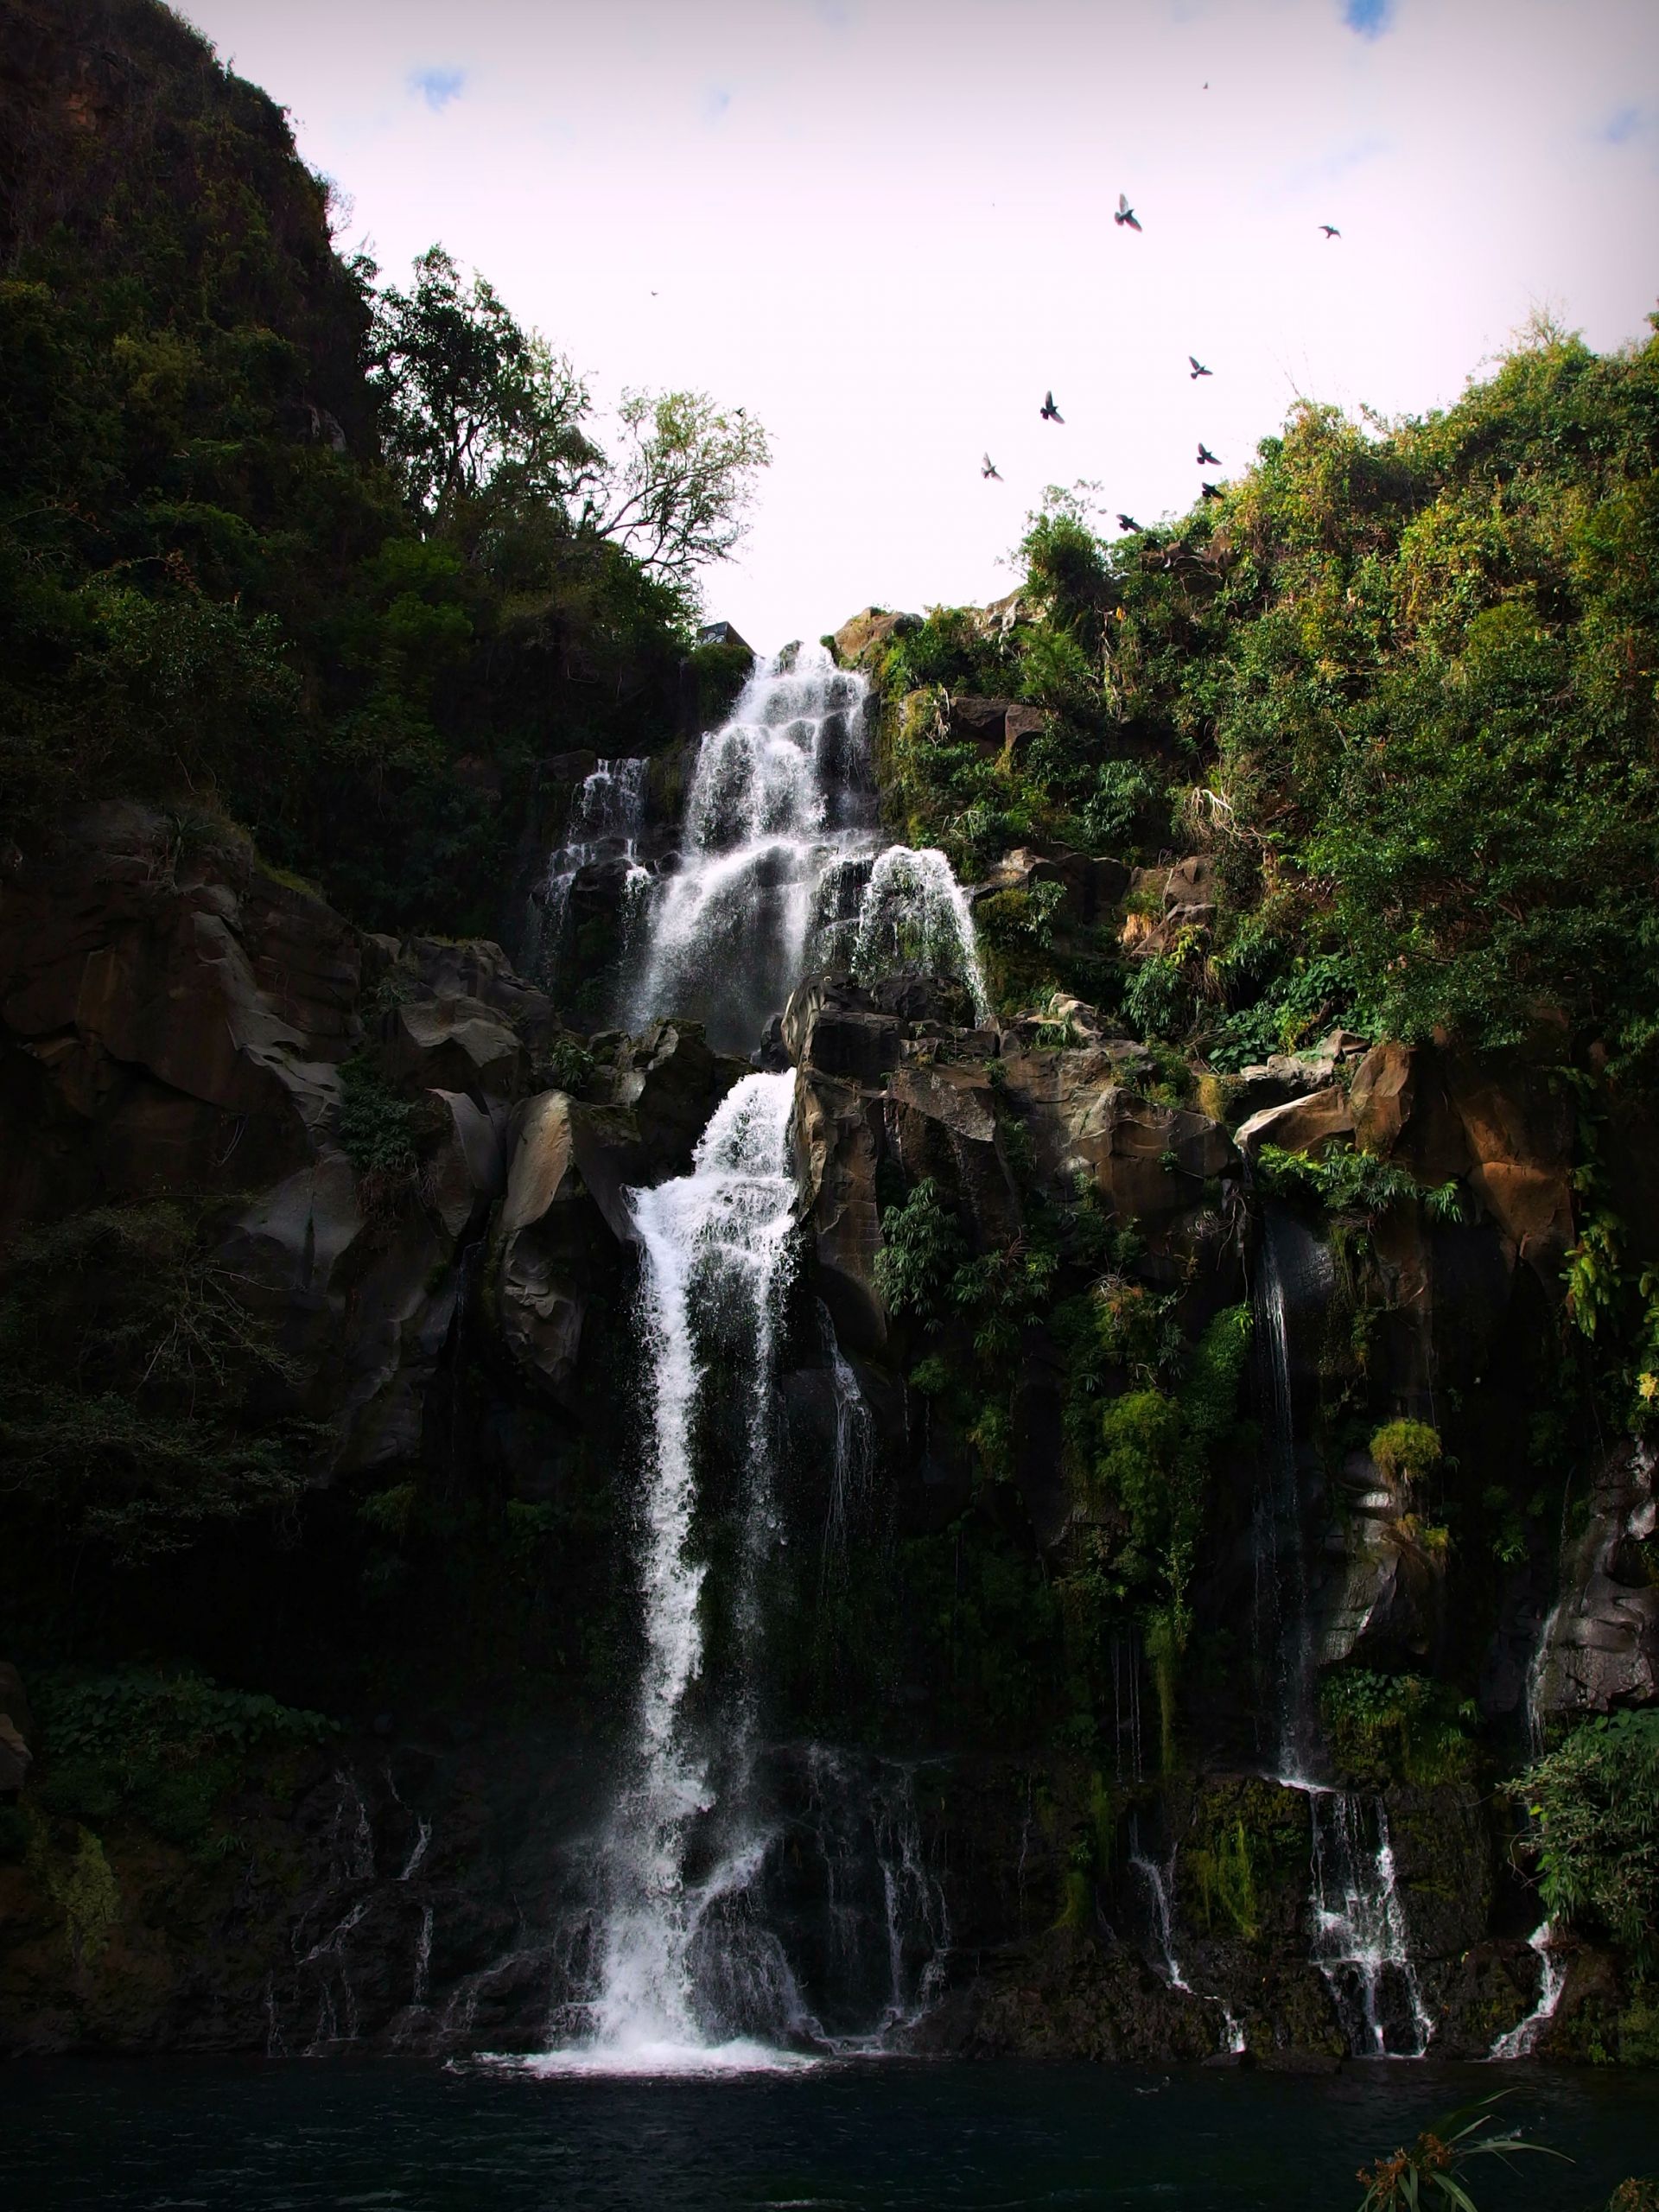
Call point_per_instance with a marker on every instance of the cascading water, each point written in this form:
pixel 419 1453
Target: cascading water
pixel 915 914
pixel 715 1249
pixel 604 825
pixel 686 1967
pixel 1160 1886
pixel 780 823
pixel 1360 1942
pixel 1518 2041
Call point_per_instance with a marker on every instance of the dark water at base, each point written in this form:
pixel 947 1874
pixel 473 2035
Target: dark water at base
pixel 387 2136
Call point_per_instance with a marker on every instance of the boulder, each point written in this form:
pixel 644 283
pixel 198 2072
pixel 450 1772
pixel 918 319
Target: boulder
pixel 1600 1645
pixel 547 1240
pixel 982 723
pixel 454 1044
pixel 861 640
pixel 1518 1125
pixel 16 1726
pixel 1320 1122
pixel 1383 1597
pixel 838 1129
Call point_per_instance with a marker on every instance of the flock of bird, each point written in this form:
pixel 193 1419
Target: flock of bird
pixel 1124 216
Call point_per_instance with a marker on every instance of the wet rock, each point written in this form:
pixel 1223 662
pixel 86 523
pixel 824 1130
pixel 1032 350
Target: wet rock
pixel 838 1144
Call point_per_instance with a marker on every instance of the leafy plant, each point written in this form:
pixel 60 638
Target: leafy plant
pixel 1432 2172
pixel 1596 1799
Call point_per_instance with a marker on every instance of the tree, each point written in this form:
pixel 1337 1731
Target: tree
pixel 473 404
pixel 676 500
pixel 484 425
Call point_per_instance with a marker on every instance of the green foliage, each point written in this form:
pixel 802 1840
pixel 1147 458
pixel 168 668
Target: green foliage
pixel 376 1127
pixel 161 1749
pixel 1342 1182
pixel 1432 2172
pixel 1224 1875
pixel 1597 1798
pixel 1406 1451
pixel 1384 1728
pixel 140 1396
pixel 922 1247
pixel 1404 676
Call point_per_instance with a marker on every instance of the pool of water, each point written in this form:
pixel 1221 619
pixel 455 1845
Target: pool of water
pixel 395 2136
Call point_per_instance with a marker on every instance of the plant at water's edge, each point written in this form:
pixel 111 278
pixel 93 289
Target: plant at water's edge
pixel 1429 2173
pixel 1638 2194
pixel 1596 1797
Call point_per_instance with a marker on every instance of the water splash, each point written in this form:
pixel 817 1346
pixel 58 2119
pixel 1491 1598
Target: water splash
pixel 915 915
pixel 1519 2041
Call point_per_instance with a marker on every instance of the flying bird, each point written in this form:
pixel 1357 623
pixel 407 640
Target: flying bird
pixel 988 467
pixel 1198 369
pixel 1206 457
pixel 1125 213
pixel 1049 411
pixel 1331 230
pixel 1128 522
pixel 1211 491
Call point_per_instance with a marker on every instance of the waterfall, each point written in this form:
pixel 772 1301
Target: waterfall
pixel 781 814
pixel 715 1251
pixel 1518 2041
pixel 915 914
pixel 1359 1939
pixel 603 825
pixel 1293 1265
pixel 854 1457
pixel 1160 1886
pixel 684 1962
pixel 1360 1943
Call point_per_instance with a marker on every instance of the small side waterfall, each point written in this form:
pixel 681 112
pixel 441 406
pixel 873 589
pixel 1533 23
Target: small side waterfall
pixel 603 825
pixel 1160 1886
pixel 1360 1942
pixel 1518 2041
pixel 915 914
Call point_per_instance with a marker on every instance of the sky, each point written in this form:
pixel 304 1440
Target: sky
pixel 883 227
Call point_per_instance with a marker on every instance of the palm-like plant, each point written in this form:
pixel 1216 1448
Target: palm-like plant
pixel 1427 2178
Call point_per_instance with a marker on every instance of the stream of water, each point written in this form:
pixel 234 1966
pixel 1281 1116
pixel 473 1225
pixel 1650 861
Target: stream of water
pixel 1359 1938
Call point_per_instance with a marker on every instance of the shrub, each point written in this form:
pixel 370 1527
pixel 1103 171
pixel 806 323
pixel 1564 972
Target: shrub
pixel 1596 1799
pixel 1406 1451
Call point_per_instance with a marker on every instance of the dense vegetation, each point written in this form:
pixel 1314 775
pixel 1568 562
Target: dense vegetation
pixel 343 562
pixel 1399 681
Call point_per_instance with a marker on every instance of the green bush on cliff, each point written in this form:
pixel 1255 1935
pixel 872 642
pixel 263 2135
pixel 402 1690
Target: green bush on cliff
pixel 161 1749
pixel 142 1396
pixel 1596 1798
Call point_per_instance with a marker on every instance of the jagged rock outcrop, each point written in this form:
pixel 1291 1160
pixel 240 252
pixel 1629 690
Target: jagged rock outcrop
pixel 1600 1645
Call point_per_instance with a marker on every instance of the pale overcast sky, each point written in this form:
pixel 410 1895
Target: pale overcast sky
pixel 885 225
